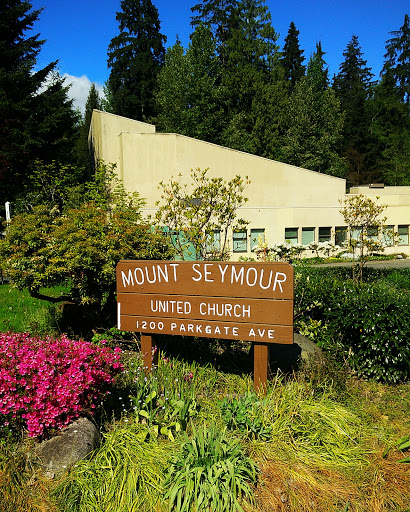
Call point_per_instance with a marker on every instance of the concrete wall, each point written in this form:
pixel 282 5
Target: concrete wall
pixel 280 195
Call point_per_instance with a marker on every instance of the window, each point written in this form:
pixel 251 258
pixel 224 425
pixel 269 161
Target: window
pixel 325 234
pixel 403 232
pixel 213 241
pixel 356 234
pixel 239 241
pixel 256 236
pixel 308 235
pixel 373 233
pixel 388 235
pixel 291 235
pixel 340 235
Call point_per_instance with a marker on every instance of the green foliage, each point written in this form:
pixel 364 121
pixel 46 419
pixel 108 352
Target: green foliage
pixel 292 57
pixel 362 214
pixel 164 414
pixel 398 59
pixel 244 414
pixel 315 122
pixel 404 444
pixel 83 153
pixel 19 312
pixel 135 57
pixel 366 324
pixel 81 247
pixel 187 96
pixel 37 118
pixel 192 217
pixel 125 474
pixel 210 472
pixel 53 184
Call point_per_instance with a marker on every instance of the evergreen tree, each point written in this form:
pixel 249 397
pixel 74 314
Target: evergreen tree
pixel 353 85
pixel 250 54
pixel 398 58
pixel 135 58
pixel 390 127
pixel 36 117
pixel 292 57
pixel 187 88
pixel 93 102
pixel 221 17
pixel 315 123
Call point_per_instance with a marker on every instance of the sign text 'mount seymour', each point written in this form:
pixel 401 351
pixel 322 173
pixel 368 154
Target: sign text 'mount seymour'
pixel 246 301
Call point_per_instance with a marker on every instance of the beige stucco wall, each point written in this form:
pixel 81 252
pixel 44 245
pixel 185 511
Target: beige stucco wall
pixel 280 195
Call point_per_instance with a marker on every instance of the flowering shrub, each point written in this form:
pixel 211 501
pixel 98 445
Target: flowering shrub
pixel 46 383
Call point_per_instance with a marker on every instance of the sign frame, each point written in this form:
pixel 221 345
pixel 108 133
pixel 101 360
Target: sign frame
pixel 251 301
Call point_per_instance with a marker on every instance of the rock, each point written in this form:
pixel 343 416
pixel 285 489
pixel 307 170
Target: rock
pixel 287 357
pixel 308 348
pixel 73 443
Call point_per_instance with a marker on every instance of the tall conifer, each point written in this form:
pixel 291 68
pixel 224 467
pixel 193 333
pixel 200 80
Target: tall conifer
pixel 37 120
pixel 292 57
pixel 135 57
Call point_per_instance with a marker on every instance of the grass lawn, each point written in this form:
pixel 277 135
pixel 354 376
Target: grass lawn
pixel 20 312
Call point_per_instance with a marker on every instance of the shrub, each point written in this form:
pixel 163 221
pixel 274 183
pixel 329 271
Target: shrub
pixel 366 323
pixel 46 383
pixel 211 472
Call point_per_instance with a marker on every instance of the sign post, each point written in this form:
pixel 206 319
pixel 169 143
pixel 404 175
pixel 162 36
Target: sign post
pixel 244 301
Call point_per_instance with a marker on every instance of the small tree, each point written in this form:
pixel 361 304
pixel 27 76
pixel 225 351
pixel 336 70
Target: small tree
pixel 81 246
pixel 362 217
pixel 198 218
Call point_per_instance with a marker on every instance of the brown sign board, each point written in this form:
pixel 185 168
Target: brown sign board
pixel 248 301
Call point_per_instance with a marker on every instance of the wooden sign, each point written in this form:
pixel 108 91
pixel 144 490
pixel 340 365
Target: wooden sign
pixel 246 301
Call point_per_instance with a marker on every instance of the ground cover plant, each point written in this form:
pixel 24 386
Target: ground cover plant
pixel 47 382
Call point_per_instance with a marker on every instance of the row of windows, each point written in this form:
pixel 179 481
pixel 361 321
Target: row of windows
pixel 325 234
pixel 308 235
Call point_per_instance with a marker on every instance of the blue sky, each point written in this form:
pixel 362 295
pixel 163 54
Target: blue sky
pixel 78 32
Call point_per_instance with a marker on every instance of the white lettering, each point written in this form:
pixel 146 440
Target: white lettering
pixel 261 279
pixel 237 276
pixel 235 331
pixel 195 269
pixel 246 311
pixel 255 277
pixel 252 332
pixel 136 277
pixel 270 333
pixel 128 280
pixel 279 281
pixel 173 326
pixel 222 271
pixel 164 272
pixel 154 275
pixel 208 272
pixel 174 267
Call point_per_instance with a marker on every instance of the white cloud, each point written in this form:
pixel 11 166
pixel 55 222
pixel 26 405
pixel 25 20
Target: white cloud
pixel 80 87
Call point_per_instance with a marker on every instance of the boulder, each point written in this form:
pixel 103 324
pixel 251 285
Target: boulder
pixel 287 357
pixel 73 443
